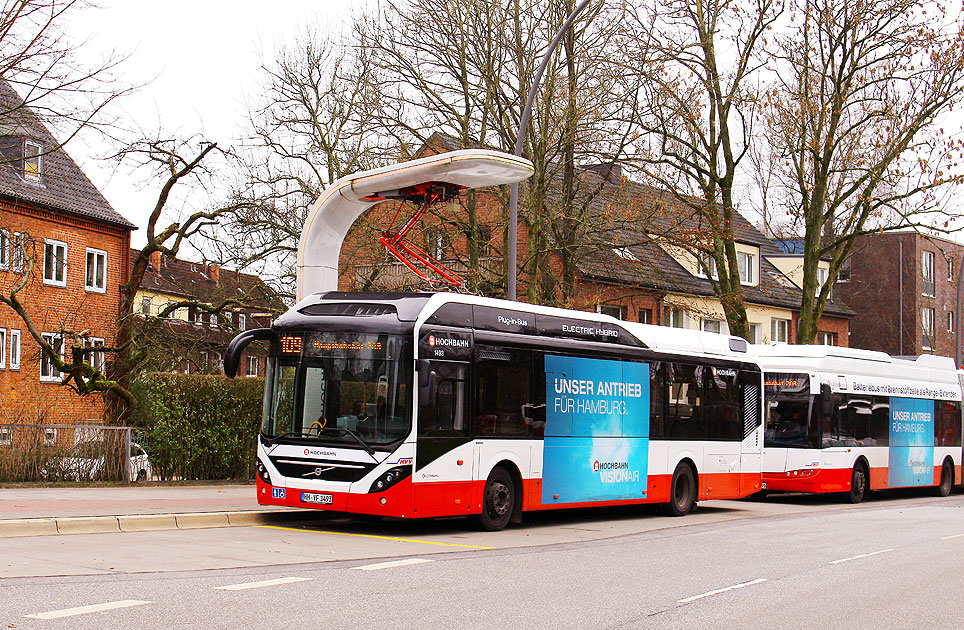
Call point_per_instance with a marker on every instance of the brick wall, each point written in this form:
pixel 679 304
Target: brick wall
pixel 54 308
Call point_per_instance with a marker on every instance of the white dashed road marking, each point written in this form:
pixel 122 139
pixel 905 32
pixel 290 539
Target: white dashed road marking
pixel 954 536
pixel 393 563
pixel 246 585
pixel 83 610
pixel 721 590
pixel 863 555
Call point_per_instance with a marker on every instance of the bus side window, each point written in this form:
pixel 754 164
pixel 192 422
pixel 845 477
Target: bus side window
pixel 947 424
pixel 685 418
pixel 447 416
pixel 721 407
pixel 657 399
pixel 879 429
pixel 505 404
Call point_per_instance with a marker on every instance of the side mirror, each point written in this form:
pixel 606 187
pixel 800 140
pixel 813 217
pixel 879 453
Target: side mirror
pixel 232 357
pixel 826 401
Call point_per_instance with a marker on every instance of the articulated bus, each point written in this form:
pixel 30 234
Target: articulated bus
pixel 435 405
pixel 852 421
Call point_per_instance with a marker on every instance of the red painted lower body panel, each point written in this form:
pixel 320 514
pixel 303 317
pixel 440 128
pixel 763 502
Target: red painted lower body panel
pixel 835 480
pixel 436 499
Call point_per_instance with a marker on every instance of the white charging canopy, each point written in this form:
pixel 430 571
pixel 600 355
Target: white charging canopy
pixel 344 201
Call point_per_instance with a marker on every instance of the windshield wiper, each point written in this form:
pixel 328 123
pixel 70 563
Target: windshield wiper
pixel 364 444
pixel 277 438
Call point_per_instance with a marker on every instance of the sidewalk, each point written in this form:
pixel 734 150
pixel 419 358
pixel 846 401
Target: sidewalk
pixel 36 511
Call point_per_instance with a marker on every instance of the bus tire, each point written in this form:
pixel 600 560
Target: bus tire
pixel 498 500
pixel 947 480
pixel 859 483
pixel 682 491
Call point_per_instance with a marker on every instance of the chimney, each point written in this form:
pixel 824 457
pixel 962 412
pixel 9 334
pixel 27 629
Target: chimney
pixel 214 271
pixel 156 260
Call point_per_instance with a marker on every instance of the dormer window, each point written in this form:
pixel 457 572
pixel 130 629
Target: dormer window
pixel 747 263
pixel 32 160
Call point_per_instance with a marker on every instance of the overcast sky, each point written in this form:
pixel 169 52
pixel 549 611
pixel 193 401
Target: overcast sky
pixel 201 58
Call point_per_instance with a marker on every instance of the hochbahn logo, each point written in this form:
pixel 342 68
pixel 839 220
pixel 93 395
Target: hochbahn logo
pixel 447 342
pixel 615 472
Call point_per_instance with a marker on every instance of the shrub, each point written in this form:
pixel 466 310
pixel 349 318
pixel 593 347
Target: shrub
pixel 199 426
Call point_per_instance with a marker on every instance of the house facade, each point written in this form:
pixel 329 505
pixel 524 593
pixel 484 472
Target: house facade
pixel 632 269
pixel 903 288
pixel 192 340
pixel 60 241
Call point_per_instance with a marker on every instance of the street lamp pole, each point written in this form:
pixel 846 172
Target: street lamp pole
pixel 513 244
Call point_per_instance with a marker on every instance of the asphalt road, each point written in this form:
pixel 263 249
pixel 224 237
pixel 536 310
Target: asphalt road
pixel 797 562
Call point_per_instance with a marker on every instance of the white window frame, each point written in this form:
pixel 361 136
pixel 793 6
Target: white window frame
pixel 756 331
pixel 710 321
pixel 749 278
pixel 704 263
pixel 6 436
pixel 927 271
pixel 50 435
pixel 96 359
pixel 146 301
pixel 5 250
pixel 621 315
pixel 3 349
pixel 927 328
pixel 49 242
pixel 55 376
pixel 670 313
pixel 251 358
pixel 950 321
pixel 98 254
pixel 823 337
pixel 16 253
pixel 27 157
pixel 14 356
pixel 242 322
pixel 775 324
pixel 950 270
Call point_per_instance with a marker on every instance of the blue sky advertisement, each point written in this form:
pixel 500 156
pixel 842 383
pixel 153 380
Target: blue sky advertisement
pixel 597 430
pixel 911 443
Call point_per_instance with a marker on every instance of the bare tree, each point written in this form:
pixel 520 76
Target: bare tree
pixel 701 59
pixel 856 114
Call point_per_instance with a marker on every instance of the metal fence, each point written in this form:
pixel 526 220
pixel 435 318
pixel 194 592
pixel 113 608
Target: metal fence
pixel 49 452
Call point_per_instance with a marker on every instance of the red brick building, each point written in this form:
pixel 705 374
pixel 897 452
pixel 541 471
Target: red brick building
pixel 64 242
pixel 628 268
pixel 903 287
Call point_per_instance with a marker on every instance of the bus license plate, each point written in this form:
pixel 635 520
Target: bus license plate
pixel 313 497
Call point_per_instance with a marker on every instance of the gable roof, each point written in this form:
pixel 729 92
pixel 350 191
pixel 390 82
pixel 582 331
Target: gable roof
pixel 196 281
pixel 63 187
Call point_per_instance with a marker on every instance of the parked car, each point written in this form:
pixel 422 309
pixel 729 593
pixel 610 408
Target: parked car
pixel 86 462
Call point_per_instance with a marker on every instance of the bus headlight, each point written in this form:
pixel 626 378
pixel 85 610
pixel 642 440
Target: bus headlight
pixel 389 478
pixel 263 472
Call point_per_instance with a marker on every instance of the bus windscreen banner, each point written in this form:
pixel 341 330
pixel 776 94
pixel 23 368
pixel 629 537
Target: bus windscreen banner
pixel 597 430
pixel 911 443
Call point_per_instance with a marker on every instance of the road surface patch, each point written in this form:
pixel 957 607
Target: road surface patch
pixel 393 563
pixel 392 538
pixel 725 589
pixel 276 582
pixel 863 555
pixel 83 610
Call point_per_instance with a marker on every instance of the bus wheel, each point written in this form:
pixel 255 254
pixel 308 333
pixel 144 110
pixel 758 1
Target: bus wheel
pixel 498 501
pixel 859 481
pixel 947 480
pixel 682 491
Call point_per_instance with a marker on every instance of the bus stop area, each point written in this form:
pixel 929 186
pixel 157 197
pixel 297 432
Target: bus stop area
pixel 32 510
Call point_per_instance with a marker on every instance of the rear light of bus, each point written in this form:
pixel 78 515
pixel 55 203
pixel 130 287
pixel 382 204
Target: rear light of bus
pixel 263 472
pixel 390 478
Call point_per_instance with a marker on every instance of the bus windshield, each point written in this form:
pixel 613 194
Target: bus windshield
pixel 790 411
pixel 351 389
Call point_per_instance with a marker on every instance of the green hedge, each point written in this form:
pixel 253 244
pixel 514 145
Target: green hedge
pixel 199 426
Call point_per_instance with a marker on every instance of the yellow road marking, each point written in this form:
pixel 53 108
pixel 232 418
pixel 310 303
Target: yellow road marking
pixel 422 542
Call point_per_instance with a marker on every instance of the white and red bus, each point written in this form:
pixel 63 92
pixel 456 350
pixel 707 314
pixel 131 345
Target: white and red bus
pixel 432 405
pixel 851 421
